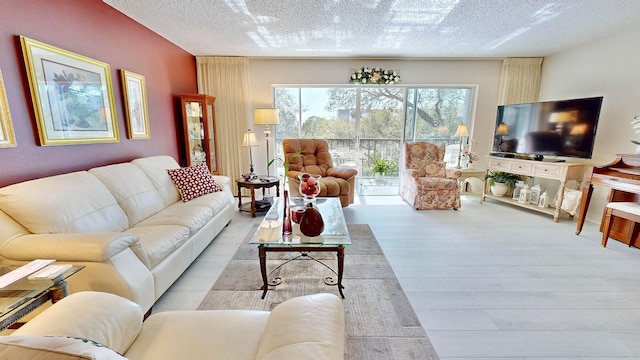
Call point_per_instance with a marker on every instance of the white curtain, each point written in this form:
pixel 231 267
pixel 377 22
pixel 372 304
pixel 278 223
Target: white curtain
pixel 520 80
pixel 226 78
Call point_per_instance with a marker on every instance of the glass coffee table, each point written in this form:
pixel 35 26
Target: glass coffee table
pixel 333 239
pixel 23 296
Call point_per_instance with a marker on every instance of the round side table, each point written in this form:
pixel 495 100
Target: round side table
pixel 261 182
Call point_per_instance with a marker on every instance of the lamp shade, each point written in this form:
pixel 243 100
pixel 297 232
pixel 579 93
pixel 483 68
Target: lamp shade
pixel 266 117
pixel 462 131
pixel 502 129
pixel 249 139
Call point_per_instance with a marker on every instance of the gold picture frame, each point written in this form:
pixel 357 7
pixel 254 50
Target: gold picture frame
pixel 72 95
pixel 135 103
pixel 7 136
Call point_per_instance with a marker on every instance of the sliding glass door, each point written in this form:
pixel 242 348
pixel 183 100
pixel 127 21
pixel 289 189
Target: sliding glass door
pixel 367 125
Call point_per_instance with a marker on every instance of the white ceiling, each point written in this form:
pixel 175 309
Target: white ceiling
pixel 381 28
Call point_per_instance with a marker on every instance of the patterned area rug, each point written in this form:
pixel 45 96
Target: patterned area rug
pixel 380 323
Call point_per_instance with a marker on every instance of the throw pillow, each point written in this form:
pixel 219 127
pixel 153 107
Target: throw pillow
pixel 193 181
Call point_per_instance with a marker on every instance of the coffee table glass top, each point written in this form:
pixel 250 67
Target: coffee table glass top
pixel 21 292
pixel 335 227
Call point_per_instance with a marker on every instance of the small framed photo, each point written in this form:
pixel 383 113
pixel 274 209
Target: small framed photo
pixel 135 102
pixel 7 136
pixel 72 95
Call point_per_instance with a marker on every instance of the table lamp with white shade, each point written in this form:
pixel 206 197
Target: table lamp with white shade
pixel 249 140
pixel 266 117
pixel 461 133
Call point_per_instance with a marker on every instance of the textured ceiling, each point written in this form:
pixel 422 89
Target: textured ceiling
pixel 381 28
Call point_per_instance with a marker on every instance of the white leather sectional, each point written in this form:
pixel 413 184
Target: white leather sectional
pixel 125 222
pixel 306 327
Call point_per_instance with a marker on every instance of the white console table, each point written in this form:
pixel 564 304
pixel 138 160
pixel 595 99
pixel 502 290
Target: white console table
pixel 561 171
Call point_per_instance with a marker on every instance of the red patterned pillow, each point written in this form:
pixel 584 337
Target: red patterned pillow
pixel 193 181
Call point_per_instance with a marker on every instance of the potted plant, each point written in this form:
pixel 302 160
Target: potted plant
pixel 382 167
pixel 500 182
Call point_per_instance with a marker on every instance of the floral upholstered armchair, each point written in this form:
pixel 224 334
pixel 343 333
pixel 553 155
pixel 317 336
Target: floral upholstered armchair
pixel 426 182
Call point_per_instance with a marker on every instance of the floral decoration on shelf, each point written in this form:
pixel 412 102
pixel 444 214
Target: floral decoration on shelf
pixel 367 75
pixel 469 151
pixel 635 124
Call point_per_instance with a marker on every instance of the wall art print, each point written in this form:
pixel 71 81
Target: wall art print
pixel 72 95
pixel 135 101
pixel 7 136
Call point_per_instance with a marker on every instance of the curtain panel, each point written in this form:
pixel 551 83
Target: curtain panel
pixel 227 79
pixel 520 80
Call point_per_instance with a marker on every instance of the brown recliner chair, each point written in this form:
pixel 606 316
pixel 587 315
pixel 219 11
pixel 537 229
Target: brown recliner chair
pixel 316 159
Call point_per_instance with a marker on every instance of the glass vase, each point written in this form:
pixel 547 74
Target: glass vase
pixel 309 187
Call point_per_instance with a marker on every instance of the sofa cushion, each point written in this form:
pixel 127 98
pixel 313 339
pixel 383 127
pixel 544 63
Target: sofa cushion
pixel 193 181
pixel 193 217
pixel 71 203
pixel 155 167
pixel 159 241
pixel 210 334
pixel 217 201
pixel 54 348
pixel 133 190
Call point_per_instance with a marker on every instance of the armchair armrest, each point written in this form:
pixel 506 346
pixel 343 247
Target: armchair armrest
pixel 412 173
pixel 106 318
pixel 453 173
pixel 95 247
pixel 343 173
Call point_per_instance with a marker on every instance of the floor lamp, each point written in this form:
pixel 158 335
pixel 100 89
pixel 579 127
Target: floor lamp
pixel 249 140
pixel 266 117
pixel 461 133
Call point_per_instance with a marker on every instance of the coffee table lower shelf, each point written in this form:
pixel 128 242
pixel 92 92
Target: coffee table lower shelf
pixel 304 251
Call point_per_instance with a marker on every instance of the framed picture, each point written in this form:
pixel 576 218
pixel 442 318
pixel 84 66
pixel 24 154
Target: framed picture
pixel 72 95
pixel 7 136
pixel 135 101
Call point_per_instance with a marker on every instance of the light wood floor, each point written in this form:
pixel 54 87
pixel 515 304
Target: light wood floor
pixel 489 281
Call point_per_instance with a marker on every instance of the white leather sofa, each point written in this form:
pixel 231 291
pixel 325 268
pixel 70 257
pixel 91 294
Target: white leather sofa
pixel 126 223
pixel 307 327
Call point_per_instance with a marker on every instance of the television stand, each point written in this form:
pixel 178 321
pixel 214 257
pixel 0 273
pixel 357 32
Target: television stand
pixel 560 171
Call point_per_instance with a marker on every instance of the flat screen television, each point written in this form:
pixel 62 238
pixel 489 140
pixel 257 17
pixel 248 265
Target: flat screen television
pixel 564 128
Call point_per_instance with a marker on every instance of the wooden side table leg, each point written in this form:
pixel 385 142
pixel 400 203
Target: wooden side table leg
pixel 340 252
pixel 253 202
pixel 239 196
pixel 262 254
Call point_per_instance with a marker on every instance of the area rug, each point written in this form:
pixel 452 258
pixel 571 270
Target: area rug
pixel 379 320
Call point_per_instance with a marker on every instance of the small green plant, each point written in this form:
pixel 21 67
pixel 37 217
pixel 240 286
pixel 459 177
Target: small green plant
pixel 383 166
pixel 285 165
pixel 502 177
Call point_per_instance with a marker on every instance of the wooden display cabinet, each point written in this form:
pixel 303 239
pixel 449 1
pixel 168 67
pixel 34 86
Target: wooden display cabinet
pixel 199 119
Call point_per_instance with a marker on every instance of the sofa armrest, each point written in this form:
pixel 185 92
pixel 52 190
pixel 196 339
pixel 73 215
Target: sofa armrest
pixel 324 339
pixel 106 318
pixel 343 173
pixel 222 181
pixel 95 247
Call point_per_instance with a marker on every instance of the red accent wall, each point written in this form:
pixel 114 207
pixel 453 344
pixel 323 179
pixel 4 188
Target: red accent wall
pixel 96 30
